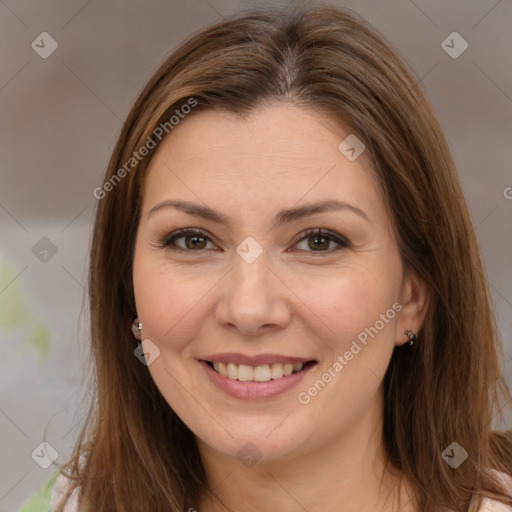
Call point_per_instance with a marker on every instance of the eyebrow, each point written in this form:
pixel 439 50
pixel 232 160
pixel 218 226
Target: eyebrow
pixel 282 217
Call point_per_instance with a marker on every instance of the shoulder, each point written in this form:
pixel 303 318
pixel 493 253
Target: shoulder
pixel 489 505
pixel 51 496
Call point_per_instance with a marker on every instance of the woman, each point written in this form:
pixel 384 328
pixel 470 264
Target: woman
pixel 288 305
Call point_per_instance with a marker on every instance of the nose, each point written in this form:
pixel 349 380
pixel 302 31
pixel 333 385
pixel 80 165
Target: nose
pixel 253 299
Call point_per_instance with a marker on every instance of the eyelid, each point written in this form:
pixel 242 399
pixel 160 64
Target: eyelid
pixel 171 237
pixel 168 240
pixel 342 241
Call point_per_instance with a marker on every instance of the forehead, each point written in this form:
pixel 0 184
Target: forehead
pixel 278 155
pixel 278 132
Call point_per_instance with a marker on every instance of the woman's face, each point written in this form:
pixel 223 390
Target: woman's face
pixel 255 296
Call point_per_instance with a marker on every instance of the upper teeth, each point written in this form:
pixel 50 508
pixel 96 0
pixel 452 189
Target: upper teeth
pixel 260 373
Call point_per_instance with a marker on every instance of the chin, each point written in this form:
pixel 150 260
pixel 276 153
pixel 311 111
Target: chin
pixel 261 445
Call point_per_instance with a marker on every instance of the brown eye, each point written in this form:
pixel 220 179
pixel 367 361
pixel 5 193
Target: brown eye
pixel 320 241
pixel 194 240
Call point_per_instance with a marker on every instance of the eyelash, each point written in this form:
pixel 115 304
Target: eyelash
pixel 181 233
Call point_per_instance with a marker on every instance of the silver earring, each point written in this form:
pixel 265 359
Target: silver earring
pixel 137 328
pixel 412 337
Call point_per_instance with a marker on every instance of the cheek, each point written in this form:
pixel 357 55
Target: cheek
pixel 168 300
pixel 347 301
pixel 361 309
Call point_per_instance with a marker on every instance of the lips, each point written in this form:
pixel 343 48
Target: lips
pixel 258 385
pixel 260 368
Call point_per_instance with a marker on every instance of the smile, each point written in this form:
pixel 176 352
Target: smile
pixel 260 373
pixel 256 376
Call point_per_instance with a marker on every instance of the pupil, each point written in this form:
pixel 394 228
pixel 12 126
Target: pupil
pixel 322 244
pixel 195 238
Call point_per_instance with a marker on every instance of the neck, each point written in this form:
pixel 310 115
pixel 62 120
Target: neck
pixel 346 473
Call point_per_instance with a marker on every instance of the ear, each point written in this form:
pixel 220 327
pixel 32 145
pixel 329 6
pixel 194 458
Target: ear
pixel 414 300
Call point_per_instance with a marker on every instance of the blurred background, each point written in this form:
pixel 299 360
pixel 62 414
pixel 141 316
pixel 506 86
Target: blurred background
pixel 70 71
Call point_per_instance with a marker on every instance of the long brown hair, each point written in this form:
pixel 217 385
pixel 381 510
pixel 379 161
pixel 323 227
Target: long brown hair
pixel 136 453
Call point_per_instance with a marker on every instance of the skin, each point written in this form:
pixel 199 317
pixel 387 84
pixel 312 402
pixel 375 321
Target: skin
pixel 291 300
